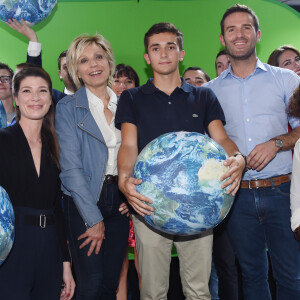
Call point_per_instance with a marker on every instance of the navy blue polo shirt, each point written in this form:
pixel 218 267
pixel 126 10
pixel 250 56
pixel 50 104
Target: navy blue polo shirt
pixel 154 113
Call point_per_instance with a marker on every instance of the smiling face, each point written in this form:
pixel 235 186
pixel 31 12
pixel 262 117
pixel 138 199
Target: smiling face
pixel 93 67
pixel 222 63
pixel 240 37
pixel 290 60
pixel 194 77
pixel 33 98
pixel 5 87
pixel 163 53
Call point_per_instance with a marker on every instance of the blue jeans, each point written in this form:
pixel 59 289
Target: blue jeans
pixel 97 276
pixel 260 219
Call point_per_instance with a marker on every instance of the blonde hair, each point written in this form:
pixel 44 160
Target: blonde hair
pixel 76 48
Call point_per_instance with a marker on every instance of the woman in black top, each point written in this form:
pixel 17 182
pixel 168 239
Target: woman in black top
pixel 39 260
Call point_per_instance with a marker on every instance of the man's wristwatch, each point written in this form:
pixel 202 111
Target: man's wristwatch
pixel 278 144
pixel 244 157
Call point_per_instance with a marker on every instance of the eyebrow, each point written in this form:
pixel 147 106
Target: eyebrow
pixel 157 44
pixel 245 24
pixel 28 86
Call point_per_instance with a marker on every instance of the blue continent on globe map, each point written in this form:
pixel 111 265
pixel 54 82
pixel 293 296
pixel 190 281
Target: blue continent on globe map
pixel 32 11
pixel 7 231
pixel 180 173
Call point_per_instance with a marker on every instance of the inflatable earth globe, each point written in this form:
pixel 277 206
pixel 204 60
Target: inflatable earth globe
pixel 32 11
pixel 180 173
pixel 7 229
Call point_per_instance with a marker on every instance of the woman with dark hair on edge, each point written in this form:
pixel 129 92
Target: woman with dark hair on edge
pixel 125 78
pixel 39 261
pixel 294 111
pixel 287 57
pixel 89 144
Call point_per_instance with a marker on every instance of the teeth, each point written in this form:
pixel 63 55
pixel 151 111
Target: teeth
pixel 95 73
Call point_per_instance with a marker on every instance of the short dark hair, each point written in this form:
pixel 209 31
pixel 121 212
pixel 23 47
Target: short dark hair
pixel 25 65
pixel 161 28
pixel 240 8
pixel 222 52
pixel 127 71
pixel 197 69
pixel 6 67
pixel 61 56
pixel 48 131
pixel 274 56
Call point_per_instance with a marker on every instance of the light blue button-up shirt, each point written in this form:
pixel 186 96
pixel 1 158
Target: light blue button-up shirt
pixel 255 111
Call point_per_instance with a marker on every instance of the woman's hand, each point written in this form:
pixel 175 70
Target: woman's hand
pixel 95 236
pixel 69 283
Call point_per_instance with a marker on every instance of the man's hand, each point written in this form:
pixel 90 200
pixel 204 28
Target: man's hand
pixel 23 29
pixel 135 199
pixel 95 236
pixel 123 209
pixel 234 174
pixel 261 155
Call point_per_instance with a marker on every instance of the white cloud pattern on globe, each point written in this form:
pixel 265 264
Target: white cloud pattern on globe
pixel 32 11
pixel 181 173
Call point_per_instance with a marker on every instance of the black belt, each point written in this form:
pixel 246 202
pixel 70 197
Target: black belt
pixel 35 220
pixel 110 179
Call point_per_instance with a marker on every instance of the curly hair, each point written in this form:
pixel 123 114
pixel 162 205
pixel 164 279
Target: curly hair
pixel 293 109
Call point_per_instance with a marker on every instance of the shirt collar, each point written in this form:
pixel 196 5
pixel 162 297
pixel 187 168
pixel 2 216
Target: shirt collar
pixel 67 92
pixel 94 100
pixel 259 65
pixel 150 88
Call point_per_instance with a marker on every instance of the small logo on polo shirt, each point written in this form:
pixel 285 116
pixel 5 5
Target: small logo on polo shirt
pixel 195 116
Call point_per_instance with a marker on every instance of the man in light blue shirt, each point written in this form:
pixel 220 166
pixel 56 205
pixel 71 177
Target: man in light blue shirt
pixel 254 97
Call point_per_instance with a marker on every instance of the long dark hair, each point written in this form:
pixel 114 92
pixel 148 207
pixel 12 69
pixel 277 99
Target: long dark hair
pixel 48 132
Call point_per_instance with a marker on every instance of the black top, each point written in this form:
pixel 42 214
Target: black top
pixel 154 113
pixel 25 188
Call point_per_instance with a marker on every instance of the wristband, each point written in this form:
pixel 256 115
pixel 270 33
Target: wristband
pixel 244 157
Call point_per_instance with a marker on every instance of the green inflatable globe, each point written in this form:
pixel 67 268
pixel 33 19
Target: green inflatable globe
pixel 180 173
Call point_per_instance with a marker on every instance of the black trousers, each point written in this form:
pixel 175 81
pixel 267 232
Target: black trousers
pixel 225 263
pixel 33 269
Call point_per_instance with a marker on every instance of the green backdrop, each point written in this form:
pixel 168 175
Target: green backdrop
pixel 125 22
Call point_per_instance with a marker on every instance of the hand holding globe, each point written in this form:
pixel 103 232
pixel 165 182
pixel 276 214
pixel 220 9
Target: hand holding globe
pixel 181 172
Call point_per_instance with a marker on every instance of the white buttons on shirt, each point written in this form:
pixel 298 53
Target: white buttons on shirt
pixel 249 139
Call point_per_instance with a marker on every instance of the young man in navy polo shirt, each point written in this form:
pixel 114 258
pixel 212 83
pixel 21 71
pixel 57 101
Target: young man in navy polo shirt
pixel 166 104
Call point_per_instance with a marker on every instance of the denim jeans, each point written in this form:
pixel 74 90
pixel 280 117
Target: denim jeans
pixel 260 219
pixel 97 276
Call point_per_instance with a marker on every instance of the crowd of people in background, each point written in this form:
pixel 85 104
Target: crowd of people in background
pixel 70 177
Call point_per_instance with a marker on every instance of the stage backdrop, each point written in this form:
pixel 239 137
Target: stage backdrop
pixel 125 22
